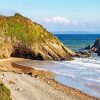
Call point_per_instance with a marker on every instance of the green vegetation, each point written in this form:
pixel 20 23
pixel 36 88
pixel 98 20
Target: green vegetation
pixel 1 45
pixel 20 37
pixel 4 92
pixel 21 28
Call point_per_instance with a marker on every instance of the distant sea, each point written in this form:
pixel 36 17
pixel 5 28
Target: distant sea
pixel 77 40
pixel 80 73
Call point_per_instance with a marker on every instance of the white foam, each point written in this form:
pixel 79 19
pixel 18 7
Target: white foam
pixel 83 70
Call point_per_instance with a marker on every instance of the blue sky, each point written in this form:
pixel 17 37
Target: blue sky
pixel 57 15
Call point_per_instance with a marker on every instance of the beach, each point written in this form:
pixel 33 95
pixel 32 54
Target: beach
pixel 27 83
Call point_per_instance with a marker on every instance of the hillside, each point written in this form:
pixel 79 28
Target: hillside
pixel 20 37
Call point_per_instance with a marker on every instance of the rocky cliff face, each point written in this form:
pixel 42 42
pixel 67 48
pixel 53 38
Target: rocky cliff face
pixel 20 37
pixel 87 51
pixel 96 47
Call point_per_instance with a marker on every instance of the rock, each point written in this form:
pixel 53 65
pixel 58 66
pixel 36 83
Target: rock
pixel 19 89
pixel 97 44
pixel 3 74
pixel 99 53
pixel 96 47
pixel 36 76
pixel 83 54
pixel 30 73
pixel 88 47
pixel 20 37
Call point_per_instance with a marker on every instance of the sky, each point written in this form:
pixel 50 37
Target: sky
pixel 57 15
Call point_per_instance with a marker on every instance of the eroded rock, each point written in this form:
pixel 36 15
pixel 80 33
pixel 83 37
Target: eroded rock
pixel 20 37
pixel 90 49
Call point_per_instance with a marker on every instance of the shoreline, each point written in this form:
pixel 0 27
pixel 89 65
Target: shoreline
pixel 9 65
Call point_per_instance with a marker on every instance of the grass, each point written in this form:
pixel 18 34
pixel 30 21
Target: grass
pixel 23 29
pixel 20 27
pixel 4 92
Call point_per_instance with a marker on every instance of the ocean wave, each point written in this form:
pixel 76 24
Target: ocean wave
pixel 80 71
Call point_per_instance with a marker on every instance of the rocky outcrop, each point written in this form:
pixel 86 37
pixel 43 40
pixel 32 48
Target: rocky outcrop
pixel 88 47
pixel 20 37
pixel 83 54
pixel 87 51
pixel 96 47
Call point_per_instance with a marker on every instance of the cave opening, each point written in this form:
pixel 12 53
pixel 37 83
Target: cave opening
pixel 27 54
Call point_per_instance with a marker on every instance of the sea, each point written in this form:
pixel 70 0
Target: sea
pixel 80 73
pixel 77 40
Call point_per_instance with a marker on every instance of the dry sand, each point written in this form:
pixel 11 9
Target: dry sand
pixel 24 87
pixel 33 84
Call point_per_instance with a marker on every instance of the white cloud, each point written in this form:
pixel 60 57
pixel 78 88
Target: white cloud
pixel 58 19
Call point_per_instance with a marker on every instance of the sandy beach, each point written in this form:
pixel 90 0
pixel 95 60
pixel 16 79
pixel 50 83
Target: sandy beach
pixel 30 84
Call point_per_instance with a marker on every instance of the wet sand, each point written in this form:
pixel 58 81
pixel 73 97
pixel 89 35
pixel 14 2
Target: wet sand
pixel 10 71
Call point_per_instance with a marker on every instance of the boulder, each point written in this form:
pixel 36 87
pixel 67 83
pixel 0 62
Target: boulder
pixel 88 47
pixel 97 43
pixel 96 47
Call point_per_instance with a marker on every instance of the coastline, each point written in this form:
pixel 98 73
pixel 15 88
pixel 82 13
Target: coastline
pixel 9 65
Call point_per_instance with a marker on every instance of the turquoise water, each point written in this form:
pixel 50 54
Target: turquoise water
pixel 77 41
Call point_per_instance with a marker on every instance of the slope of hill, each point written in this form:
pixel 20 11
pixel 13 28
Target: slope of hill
pixel 20 37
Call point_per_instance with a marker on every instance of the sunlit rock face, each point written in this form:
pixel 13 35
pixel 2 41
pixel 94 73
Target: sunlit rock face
pixel 20 37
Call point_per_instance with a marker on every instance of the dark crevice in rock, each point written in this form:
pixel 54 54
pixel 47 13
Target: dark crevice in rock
pixel 27 55
pixel 38 57
pixel 24 51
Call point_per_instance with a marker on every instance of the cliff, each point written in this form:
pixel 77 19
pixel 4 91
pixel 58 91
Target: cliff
pixel 20 37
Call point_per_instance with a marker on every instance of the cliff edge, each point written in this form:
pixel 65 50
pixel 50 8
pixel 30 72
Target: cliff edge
pixel 20 37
